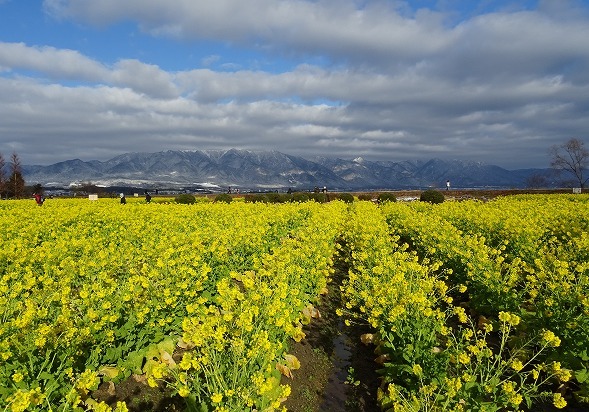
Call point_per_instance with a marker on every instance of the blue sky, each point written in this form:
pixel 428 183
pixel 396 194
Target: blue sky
pixel 493 81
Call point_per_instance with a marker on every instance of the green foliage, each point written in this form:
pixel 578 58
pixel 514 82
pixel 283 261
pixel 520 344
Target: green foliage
pixel 185 199
pixel 365 196
pixel 259 198
pixel 346 197
pixel 278 198
pixel 386 197
pixel 224 197
pixel 269 198
pixel 300 197
pixel 319 197
pixel 432 196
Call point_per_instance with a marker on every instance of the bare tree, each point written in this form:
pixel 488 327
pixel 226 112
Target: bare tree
pixel 571 157
pixel 536 181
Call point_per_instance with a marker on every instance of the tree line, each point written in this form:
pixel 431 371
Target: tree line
pixel 12 182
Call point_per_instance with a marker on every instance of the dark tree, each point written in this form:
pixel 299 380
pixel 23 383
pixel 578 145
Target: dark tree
pixel 536 181
pixel 432 196
pixel 571 157
pixel 15 185
pixel 2 177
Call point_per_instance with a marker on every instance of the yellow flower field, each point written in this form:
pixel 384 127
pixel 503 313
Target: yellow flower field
pixel 95 291
pixel 474 306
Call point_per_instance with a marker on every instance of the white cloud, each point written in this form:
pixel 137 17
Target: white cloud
pixel 379 35
pixel 57 63
pixel 303 26
pixel 70 65
pixel 401 83
pixel 146 78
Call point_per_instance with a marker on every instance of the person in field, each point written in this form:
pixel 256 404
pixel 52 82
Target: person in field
pixel 123 199
pixel 38 198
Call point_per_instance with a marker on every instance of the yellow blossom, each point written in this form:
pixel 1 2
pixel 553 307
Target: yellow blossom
pixel 461 314
pixel 509 318
pixel 508 387
pixel 184 391
pixel 463 358
pixel 517 365
pixel 121 407
pixel 550 339
pixel 558 401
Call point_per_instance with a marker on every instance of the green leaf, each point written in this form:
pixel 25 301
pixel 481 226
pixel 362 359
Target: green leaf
pixel 490 406
pixel 152 352
pixel 470 385
pixel 113 354
pixel 45 376
pixel 528 400
pixel 4 392
pixel 167 345
pixel 582 375
pixel 134 361
pixel 109 371
pixel 149 365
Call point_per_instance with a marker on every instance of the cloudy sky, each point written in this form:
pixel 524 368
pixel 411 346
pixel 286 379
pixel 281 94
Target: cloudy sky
pixel 492 81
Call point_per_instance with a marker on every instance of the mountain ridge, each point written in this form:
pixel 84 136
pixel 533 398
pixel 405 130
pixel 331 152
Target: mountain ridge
pixel 250 169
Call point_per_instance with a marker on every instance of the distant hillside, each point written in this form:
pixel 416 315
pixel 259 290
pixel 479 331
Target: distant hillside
pixel 271 169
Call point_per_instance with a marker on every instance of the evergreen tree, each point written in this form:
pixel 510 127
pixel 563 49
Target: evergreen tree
pixel 15 185
pixel 2 177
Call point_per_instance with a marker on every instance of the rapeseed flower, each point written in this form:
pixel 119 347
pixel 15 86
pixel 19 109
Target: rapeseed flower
pixel 516 365
pixel 558 401
pixel 550 339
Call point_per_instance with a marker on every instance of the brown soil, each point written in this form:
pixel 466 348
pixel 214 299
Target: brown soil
pixel 309 381
pixel 337 372
pixel 460 194
pixel 139 396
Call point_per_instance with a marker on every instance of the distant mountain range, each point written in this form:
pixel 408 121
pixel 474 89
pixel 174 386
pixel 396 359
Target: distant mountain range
pixel 258 170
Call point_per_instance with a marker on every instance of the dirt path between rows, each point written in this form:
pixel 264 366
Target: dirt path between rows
pixel 338 372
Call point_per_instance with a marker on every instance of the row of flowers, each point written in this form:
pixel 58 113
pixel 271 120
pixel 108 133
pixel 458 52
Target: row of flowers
pixel 476 306
pixel 203 298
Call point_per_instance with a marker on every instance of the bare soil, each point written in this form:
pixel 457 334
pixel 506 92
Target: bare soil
pixel 338 372
pixel 139 396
